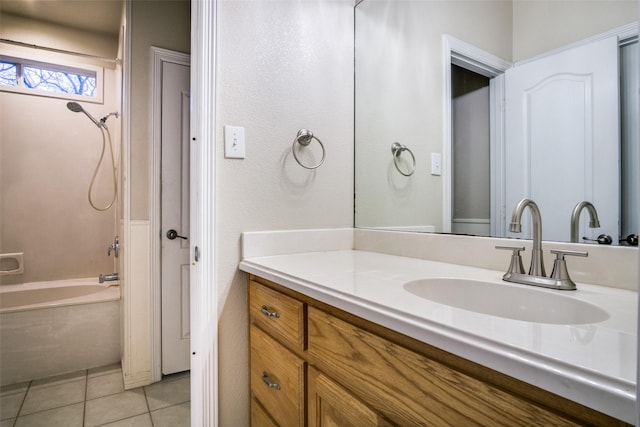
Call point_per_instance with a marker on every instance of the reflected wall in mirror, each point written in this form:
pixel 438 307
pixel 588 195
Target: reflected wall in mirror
pixel 433 75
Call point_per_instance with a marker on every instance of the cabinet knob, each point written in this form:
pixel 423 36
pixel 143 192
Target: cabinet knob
pixel 265 310
pixel 265 379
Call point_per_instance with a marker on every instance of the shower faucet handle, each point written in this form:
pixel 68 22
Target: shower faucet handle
pixel 115 247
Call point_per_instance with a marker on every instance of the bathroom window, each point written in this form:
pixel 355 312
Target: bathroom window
pixel 8 74
pixel 54 80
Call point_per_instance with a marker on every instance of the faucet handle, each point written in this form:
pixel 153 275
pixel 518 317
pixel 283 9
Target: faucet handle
pixel 560 254
pixel 516 266
pixel 560 273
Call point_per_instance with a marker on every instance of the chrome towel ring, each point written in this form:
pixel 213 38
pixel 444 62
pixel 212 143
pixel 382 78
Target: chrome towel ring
pixel 397 149
pixel 304 138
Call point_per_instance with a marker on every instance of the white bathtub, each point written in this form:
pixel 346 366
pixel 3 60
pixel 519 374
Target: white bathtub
pixel 50 328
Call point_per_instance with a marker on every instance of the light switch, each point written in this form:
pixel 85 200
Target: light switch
pixel 436 164
pixel 234 142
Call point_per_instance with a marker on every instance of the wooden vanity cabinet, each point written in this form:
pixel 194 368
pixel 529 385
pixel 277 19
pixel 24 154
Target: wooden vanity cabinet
pixel 336 369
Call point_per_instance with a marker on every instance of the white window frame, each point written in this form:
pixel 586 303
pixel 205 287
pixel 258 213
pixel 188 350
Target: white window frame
pixel 58 65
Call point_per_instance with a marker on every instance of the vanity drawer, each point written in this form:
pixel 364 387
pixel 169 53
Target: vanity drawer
pixel 279 315
pixel 277 379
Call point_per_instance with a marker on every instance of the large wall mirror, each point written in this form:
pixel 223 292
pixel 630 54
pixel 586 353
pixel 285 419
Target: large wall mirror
pixel 493 101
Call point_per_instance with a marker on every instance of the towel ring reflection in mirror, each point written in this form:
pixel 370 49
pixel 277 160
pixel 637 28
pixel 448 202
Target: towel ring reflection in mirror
pixel 304 138
pixel 397 149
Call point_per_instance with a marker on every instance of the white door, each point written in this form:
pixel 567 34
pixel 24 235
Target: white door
pixel 562 138
pixel 175 218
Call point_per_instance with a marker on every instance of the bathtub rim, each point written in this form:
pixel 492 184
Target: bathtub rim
pixel 110 292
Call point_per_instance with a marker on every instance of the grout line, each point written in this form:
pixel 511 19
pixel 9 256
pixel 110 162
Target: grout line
pixel 24 399
pixel 146 400
pixel 84 406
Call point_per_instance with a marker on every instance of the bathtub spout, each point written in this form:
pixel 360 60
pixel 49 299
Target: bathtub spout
pixel 108 277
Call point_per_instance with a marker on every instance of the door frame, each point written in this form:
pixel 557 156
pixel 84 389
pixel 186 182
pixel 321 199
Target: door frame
pixel 479 61
pixel 158 57
pixel 204 289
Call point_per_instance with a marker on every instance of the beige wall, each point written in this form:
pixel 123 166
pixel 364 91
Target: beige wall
pixel 164 24
pixel 540 26
pixel 47 157
pixel 282 66
pixel 400 97
pixel 400 83
pixel 23 30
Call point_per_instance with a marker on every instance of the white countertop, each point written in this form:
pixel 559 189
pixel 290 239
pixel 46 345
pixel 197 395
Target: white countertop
pixel 592 364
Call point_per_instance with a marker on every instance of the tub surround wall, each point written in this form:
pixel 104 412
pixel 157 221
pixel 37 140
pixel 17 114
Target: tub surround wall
pixel 48 156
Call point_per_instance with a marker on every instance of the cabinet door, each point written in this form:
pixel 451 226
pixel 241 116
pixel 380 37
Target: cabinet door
pixel 277 379
pixel 331 405
pixel 409 388
pixel 259 417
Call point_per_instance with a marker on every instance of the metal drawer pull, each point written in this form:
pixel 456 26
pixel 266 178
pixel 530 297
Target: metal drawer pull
pixel 265 379
pixel 268 313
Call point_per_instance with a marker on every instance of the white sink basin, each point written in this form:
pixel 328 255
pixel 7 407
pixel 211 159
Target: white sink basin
pixel 509 301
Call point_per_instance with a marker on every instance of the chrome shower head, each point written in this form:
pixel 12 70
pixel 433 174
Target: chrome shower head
pixel 77 108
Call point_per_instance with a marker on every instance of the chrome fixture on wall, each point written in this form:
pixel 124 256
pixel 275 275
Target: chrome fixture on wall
pixel 304 138
pixel 77 108
pixel 109 278
pixel 102 125
pixel 396 150
pixel 115 247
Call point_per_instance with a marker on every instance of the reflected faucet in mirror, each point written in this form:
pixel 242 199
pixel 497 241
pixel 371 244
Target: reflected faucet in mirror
pixel 559 278
pixel 575 218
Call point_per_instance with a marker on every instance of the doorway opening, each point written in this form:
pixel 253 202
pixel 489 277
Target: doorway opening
pixel 474 85
pixel 471 165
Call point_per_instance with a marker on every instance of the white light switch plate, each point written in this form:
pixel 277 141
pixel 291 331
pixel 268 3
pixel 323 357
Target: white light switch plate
pixel 234 142
pixel 436 164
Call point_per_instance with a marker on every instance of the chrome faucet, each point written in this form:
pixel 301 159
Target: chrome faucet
pixel 108 277
pixel 575 218
pixel 115 247
pixel 559 278
pixel 537 263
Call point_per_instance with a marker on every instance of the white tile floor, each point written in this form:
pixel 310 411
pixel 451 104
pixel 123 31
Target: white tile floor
pixel 96 397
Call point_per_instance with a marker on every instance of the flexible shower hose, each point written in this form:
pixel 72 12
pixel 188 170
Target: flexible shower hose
pixel 104 128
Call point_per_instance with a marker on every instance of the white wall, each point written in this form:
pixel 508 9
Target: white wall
pixel 399 97
pixel 283 65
